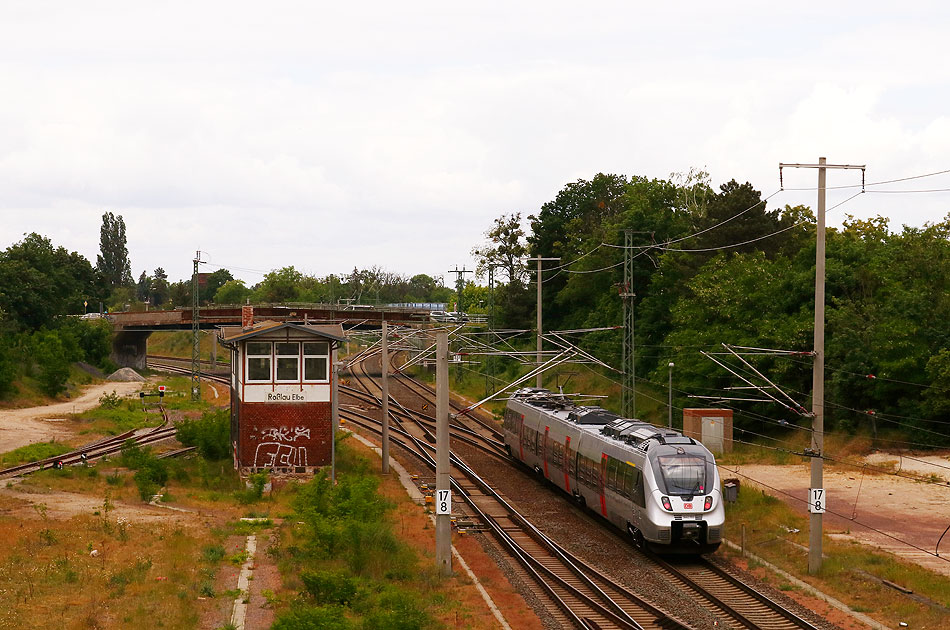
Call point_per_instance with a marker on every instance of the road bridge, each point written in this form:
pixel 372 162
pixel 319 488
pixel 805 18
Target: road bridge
pixel 132 329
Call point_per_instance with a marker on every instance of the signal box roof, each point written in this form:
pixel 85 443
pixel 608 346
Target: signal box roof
pixel 234 334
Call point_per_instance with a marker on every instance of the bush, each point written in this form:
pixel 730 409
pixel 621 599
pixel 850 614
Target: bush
pixel 151 473
pixel 211 434
pixel 52 361
pixel 314 618
pixel 110 401
pixel 329 587
pixel 8 364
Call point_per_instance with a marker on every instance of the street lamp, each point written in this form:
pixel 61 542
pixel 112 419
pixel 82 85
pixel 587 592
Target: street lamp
pixel 671 394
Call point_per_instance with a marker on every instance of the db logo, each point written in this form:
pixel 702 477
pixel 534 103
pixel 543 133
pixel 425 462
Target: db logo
pixel 688 506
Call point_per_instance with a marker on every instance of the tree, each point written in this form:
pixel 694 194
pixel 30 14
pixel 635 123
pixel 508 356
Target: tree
pixel 53 358
pixel 505 248
pixel 232 292
pixel 113 260
pixel 281 285
pixel 142 287
pixel 216 280
pixel 159 291
pixel 39 283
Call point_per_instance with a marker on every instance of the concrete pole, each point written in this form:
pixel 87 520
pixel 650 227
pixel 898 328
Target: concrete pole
pixel 539 379
pixel 539 382
pixel 334 410
pixel 818 380
pixel 443 523
pixel 671 394
pixel 384 370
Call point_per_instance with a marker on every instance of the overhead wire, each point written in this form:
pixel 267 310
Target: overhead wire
pixel 852 520
pixel 880 183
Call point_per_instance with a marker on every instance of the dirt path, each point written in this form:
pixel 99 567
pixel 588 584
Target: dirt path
pixel 19 427
pixel 61 505
pixel 900 509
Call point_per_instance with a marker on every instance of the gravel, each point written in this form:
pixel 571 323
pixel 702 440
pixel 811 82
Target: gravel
pixel 583 534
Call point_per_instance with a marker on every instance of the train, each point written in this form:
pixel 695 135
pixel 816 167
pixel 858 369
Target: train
pixel 659 486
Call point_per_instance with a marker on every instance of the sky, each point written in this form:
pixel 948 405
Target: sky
pixel 330 136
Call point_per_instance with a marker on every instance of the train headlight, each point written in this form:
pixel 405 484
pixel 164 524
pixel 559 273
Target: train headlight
pixel 666 503
pixel 707 504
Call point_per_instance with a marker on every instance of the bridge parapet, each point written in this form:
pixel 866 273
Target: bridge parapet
pixel 212 317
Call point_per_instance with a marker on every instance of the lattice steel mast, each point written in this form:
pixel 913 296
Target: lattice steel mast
pixel 628 392
pixel 195 339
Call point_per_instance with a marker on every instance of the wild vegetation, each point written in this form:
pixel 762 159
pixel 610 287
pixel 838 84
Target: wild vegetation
pixel 714 268
pixel 710 267
pixel 348 567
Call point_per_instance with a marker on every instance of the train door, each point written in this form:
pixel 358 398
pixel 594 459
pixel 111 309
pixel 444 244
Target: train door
pixel 637 498
pixel 567 464
pixel 521 439
pixel 601 482
pixel 544 451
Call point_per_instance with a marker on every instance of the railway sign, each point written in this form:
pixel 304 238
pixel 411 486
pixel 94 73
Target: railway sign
pixel 817 500
pixel 161 388
pixel 443 502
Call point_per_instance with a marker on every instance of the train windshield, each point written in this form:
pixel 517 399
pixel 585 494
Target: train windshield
pixel 683 473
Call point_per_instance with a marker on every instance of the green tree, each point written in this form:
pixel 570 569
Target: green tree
pixel 505 248
pixel 232 292
pixel 215 281
pixel 113 260
pixel 53 358
pixel 142 287
pixel 159 291
pixel 937 396
pixel 281 285
pixel 39 283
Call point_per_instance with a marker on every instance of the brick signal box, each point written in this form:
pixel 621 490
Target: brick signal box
pixel 281 395
pixel 712 427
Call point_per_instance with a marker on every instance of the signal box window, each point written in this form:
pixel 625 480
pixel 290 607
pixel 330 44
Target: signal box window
pixel 288 361
pixel 316 361
pixel 258 361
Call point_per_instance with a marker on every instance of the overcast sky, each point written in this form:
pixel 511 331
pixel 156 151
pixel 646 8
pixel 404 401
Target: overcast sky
pixel 389 134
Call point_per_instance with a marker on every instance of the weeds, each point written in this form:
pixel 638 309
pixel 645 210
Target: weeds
pixel 355 573
pixel 110 401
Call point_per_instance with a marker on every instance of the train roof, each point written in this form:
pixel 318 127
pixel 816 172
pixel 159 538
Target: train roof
pixel 600 421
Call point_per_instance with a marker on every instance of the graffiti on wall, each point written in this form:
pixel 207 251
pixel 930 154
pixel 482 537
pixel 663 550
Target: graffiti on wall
pixel 285 434
pixel 275 455
pixel 275 452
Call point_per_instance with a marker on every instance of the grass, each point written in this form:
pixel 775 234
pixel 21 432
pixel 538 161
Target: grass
pixel 179 343
pixel 29 393
pixel 342 562
pixel 767 521
pixel 92 574
pixel 34 452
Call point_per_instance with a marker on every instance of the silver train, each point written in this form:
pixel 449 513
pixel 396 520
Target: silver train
pixel 661 487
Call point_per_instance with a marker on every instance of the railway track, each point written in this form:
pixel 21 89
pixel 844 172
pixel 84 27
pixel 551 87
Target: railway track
pixel 577 595
pixel 113 444
pixel 735 603
pixel 101 448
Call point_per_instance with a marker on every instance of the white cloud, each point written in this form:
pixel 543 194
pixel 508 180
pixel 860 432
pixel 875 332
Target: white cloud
pixel 288 134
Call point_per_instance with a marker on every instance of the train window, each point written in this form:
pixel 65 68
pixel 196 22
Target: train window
pixel 683 474
pixel 612 466
pixel 570 454
pixel 638 494
pixel 588 472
